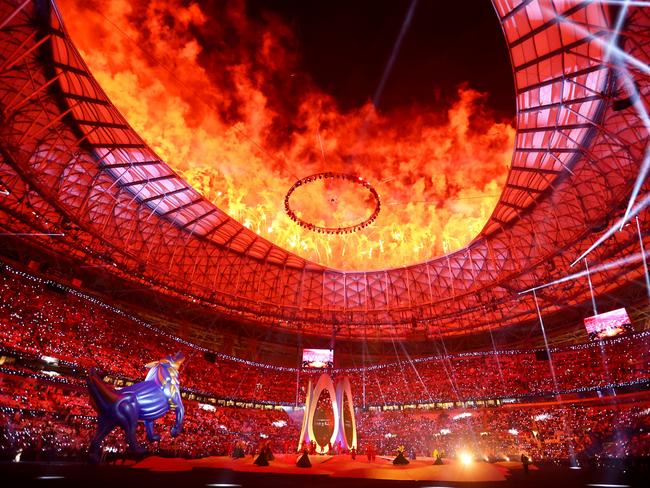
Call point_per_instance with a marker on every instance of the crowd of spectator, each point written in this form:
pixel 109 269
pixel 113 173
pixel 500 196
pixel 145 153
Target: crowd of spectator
pixel 553 431
pixel 509 373
pixel 48 321
pixel 42 420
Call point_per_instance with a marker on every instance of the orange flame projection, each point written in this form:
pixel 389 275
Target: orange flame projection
pixel 220 98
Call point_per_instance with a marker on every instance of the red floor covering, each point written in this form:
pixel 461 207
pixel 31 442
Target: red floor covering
pixel 421 469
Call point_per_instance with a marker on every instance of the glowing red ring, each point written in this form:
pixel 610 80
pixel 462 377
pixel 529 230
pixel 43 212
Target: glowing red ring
pixel 333 230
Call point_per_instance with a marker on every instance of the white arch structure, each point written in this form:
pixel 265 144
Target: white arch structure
pixel 325 383
pixel 343 390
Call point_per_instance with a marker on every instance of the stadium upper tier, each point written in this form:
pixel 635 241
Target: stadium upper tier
pixel 46 324
pixel 77 180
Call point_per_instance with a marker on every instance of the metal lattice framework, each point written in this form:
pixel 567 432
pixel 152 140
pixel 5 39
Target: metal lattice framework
pixel 71 164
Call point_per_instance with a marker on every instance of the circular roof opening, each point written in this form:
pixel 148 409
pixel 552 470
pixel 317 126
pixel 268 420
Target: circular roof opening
pixel 264 119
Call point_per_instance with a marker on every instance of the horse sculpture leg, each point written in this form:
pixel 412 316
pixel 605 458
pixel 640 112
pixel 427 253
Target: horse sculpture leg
pixel 151 435
pixel 126 413
pixel 104 427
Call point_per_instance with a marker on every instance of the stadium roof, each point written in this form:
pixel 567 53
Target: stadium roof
pixel 70 164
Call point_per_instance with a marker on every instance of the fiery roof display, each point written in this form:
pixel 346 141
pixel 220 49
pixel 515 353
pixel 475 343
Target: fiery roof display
pixel 175 177
pixel 440 175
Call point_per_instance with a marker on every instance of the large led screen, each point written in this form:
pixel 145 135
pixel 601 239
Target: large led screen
pixel 317 358
pixel 608 324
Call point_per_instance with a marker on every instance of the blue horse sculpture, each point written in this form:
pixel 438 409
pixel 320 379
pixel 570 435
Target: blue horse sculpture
pixel 148 400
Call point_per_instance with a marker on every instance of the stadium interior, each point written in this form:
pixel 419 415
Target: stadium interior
pixel 315 289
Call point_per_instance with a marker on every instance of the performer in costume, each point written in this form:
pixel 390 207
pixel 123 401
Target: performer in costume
pixel 268 451
pixel 261 459
pixel 238 452
pixel 372 453
pixel 400 459
pixel 304 461
pixel 148 400
pixel 438 457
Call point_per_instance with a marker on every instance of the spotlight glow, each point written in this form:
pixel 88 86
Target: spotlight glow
pixel 465 458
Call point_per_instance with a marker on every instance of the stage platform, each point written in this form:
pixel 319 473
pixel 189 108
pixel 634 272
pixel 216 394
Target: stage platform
pixel 343 466
pixel 327 472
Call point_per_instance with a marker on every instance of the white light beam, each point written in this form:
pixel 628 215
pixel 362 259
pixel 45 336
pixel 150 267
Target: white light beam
pixel 634 258
pixel 614 228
